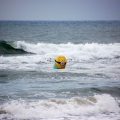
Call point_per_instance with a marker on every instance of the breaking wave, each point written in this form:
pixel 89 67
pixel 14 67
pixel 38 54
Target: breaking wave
pixel 60 108
pixel 8 48
pixel 74 51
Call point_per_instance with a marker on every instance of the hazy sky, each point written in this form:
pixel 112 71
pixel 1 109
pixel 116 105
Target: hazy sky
pixel 59 9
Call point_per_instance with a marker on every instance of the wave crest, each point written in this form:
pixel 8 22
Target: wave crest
pixel 97 104
pixel 74 52
pixel 7 48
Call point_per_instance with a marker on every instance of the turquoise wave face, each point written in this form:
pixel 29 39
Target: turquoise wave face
pixel 6 48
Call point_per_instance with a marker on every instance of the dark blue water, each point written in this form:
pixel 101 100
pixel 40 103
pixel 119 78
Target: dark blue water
pixel 31 89
pixel 61 32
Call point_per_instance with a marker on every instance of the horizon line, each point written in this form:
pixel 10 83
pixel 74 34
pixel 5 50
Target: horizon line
pixel 61 20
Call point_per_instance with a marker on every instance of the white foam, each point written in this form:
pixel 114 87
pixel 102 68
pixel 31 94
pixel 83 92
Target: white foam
pixel 76 52
pixel 81 58
pixel 103 106
pixel 73 51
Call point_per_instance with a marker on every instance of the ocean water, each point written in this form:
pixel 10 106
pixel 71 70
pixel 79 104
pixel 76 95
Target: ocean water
pixel 87 89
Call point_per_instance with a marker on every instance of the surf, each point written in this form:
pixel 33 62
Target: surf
pixel 76 107
pixel 76 52
pixel 8 48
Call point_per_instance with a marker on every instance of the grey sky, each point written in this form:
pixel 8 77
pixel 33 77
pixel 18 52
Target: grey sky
pixel 59 9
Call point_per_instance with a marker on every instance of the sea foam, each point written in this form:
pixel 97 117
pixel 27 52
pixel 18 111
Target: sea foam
pixel 93 57
pixel 72 51
pixel 77 51
pixel 60 108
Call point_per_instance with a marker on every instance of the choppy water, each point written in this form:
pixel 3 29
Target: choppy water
pixel 87 89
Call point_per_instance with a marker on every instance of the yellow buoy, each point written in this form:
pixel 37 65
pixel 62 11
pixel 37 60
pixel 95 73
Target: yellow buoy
pixel 60 62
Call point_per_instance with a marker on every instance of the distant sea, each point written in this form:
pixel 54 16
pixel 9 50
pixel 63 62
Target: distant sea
pixel 87 89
